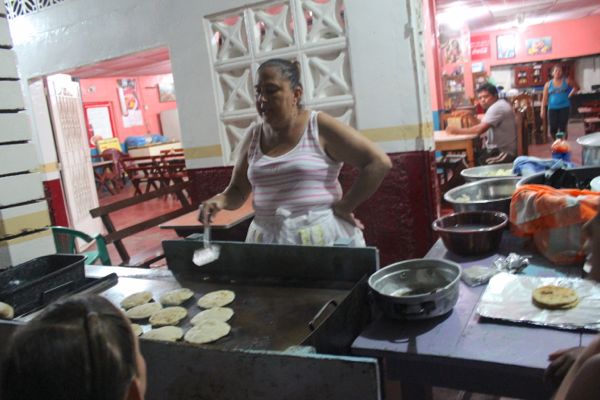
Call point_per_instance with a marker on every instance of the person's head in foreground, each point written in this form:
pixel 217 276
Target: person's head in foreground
pixel 79 348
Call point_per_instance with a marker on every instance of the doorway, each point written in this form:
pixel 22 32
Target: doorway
pixel 85 103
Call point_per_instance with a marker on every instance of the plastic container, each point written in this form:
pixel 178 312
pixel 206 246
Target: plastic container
pixel 40 279
pixel 560 148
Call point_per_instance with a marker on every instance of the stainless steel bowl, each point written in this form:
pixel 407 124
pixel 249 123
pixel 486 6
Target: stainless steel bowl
pixel 487 172
pixel 416 289
pixel 484 195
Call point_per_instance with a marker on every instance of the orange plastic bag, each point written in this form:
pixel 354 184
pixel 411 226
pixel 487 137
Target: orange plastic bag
pixel 554 218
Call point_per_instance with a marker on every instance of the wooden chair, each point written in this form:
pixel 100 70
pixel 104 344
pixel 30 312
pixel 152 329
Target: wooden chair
pixel 115 156
pixel 523 104
pixel 460 118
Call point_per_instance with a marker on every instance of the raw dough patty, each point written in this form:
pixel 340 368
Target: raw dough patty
pixel 176 297
pixel 168 316
pixel 218 298
pixel 136 299
pixel 143 311
pixel 223 314
pixel 207 331
pixel 168 333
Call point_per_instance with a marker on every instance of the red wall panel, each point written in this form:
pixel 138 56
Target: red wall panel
pixel 56 202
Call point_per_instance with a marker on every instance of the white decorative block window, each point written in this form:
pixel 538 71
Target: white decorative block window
pixel 310 31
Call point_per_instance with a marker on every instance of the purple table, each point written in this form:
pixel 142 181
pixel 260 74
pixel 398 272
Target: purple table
pixel 463 351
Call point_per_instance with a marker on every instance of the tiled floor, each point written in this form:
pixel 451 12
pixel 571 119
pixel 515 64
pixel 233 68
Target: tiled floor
pixel 152 237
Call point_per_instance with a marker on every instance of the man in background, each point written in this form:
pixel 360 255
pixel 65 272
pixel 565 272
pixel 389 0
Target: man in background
pixel 499 123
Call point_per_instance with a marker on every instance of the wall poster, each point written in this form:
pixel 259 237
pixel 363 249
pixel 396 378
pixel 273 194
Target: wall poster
pixel 506 46
pixel 166 90
pixel 480 47
pixel 130 105
pixel 538 46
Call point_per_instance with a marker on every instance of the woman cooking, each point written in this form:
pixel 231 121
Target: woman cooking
pixel 291 162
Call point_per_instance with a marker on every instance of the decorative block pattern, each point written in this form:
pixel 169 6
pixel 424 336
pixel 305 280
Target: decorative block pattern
pixel 328 75
pixel 229 39
pixel 15 8
pixel 322 20
pixel 273 27
pixel 310 31
pixel 236 89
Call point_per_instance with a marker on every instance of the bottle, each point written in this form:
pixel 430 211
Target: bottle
pixel 560 148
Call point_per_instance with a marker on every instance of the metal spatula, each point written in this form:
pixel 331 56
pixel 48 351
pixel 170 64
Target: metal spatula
pixel 210 252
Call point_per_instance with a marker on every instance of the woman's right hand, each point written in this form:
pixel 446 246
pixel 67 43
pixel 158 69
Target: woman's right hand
pixel 543 112
pixel 211 207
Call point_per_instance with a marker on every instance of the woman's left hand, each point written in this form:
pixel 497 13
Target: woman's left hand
pixel 347 216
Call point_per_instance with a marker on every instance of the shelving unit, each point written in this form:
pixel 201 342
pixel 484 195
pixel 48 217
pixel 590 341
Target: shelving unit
pixel 454 91
pixel 479 78
pixel 537 74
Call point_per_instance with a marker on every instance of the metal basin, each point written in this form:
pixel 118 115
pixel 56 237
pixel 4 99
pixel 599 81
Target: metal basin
pixel 483 195
pixel 590 149
pixel 416 289
pixel 471 233
pixel 487 172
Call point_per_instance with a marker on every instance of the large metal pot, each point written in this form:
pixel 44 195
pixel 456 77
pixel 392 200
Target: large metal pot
pixel 416 289
pixel 484 195
pixel 590 149
pixel 494 171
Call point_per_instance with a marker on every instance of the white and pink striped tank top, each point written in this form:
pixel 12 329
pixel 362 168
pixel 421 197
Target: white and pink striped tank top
pixel 301 180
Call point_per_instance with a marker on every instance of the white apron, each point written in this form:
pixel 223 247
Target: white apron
pixel 317 228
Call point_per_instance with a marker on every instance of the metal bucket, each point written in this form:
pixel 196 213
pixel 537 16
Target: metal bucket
pixel 590 149
pixel 416 289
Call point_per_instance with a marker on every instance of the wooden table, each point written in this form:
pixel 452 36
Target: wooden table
pixel 104 175
pixel 447 142
pixel 462 351
pixel 224 220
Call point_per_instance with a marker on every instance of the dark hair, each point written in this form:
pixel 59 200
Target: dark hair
pixel 289 70
pixel 80 348
pixel 488 87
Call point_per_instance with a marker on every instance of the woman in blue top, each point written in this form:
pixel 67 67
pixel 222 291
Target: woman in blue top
pixel 556 97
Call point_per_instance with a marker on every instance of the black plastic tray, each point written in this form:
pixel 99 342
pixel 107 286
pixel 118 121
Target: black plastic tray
pixel 40 280
pixel 575 178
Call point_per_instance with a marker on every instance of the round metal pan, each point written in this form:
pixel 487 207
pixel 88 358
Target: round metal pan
pixel 416 289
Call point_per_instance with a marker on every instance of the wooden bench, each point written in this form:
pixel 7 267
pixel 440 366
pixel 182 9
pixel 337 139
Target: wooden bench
pixel 116 236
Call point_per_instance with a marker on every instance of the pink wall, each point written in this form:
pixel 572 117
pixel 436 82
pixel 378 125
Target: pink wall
pixel 432 54
pixel 572 38
pixel 105 89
